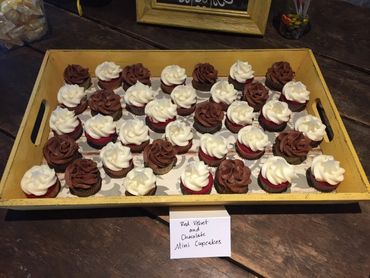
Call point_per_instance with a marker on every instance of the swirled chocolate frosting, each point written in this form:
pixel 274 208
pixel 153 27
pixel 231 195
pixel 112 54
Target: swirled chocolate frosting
pixel 137 72
pixel 293 143
pixel 60 150
pixel 280 73
pixel 82 173
pixel 75 74
pixel 256 95
pixel 159 154
pixel 233 176
pixel 205 73
pixel 209 114
pixel 105 102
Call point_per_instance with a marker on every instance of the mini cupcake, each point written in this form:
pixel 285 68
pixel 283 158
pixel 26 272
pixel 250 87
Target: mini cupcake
pixel 232 177
pixel 251 143
pixel 278 75
pixel 40 182
pixel 72 97
pixel 83 177
pixel 171 77
pixel 185 97
pixel 107 103
pixel 140 182
pixel 312 127
pixel 60 151
pixel 256 95
pixel 100 130
pixel 241 73
pixel 275 115
pixel 296 95
pixel 134 134
pixel 62 121
pixel 204 76
pixel 109 75
pixel 180 136
pixel 213 149
pixel 325 173
pixel 196 179
pixel 292 145
pixel 208 117
pixel 132 74
pixel 159 113
pixel 116 159
pixel 160 156
pixel 77 75
pixel 238 115
pixel 223 93
pixel 276 175
pixel 137 97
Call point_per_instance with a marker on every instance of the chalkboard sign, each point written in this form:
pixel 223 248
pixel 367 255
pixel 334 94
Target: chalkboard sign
pixel 236 5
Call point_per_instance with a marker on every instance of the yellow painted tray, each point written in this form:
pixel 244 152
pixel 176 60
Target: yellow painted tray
pixel 25 153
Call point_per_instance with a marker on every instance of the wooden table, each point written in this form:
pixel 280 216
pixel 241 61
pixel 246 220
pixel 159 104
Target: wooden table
pixel 273 241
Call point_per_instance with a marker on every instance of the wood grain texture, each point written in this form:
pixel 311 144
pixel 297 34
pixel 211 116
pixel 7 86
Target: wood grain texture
pixel 6 144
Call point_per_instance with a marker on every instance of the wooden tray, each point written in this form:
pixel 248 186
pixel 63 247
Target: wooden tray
pixel 43 100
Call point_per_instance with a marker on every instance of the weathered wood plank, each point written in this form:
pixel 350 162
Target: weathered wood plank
pixel 6 144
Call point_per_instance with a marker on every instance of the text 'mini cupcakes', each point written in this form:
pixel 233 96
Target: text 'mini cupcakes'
pixel 213 149
pixel 77 75
pixel 240 74
pixel 72 97
pixel 296 95
pixel 196 179
pixel 140 182
pixel 109 75
pixel 275 116
pixel 180 136
pixel 251 142
pixel 159 113
pixel 116 159
pixel 238 115
pixel 185 97
pixel 62 121
pixel 171 77
pixel 100 130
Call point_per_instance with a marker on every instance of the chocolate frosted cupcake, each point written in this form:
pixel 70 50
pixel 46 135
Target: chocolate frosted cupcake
pixel 160 156
pixel 83 177
pixel 204 76
pixel 232 176
pixel 72 97
pixel 77 75
pixel 132 74
pixel 293 146
pixel 208 117
pixel 278 75
pixel 60 151
pixel 107 103
pixel 256 95
pixel 109 75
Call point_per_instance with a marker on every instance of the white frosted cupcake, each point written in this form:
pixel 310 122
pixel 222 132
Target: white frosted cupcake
pixel 134 134
pixel 109 75
pixel 137 97
pixel 223 93
pixel 72 97
pixel 159 113
pixel 312 127
pixel 325 173
pixel 171 77
pixel 100 130
pixel 238 115
pixel 251 142
pixel 185 97
pixel 116 159
pixel 62 121
pixel 213 149
pixel 180 136
pixel 274 116
pixel 140 182
pixel 241 73
pixel 296 95
pixel 196 179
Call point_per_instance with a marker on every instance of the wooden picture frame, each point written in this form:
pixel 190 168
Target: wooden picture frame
pixel 250 21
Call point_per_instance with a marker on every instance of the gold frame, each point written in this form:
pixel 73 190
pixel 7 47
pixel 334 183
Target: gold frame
pixel 252 21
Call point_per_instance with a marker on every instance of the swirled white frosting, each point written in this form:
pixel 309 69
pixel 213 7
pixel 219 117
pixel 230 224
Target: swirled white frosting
pixel 70 95
pixel 239 112
pixel 184 96
pixel 311 126
pixel 296 91
pixel 139 181
pixel 224 92
pixel 213 145
pixel 133 132
pixel 107 71
pixel 178 133
pixel 253 137
pixel 326 169
pixel 100 126
pixel 115 156
pixel 195 175
pixel 63 121
pixel 276 170
pixel 276 111
pixel 139 94
pixel 241 71
pixel 38 180
pixel 173 75
pixel 160 110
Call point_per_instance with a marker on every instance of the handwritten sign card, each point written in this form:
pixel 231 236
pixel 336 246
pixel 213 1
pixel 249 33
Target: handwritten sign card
pixel 199 232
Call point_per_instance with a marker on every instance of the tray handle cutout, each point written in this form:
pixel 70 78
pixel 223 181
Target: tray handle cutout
pixel 321 113
pixel 39 124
